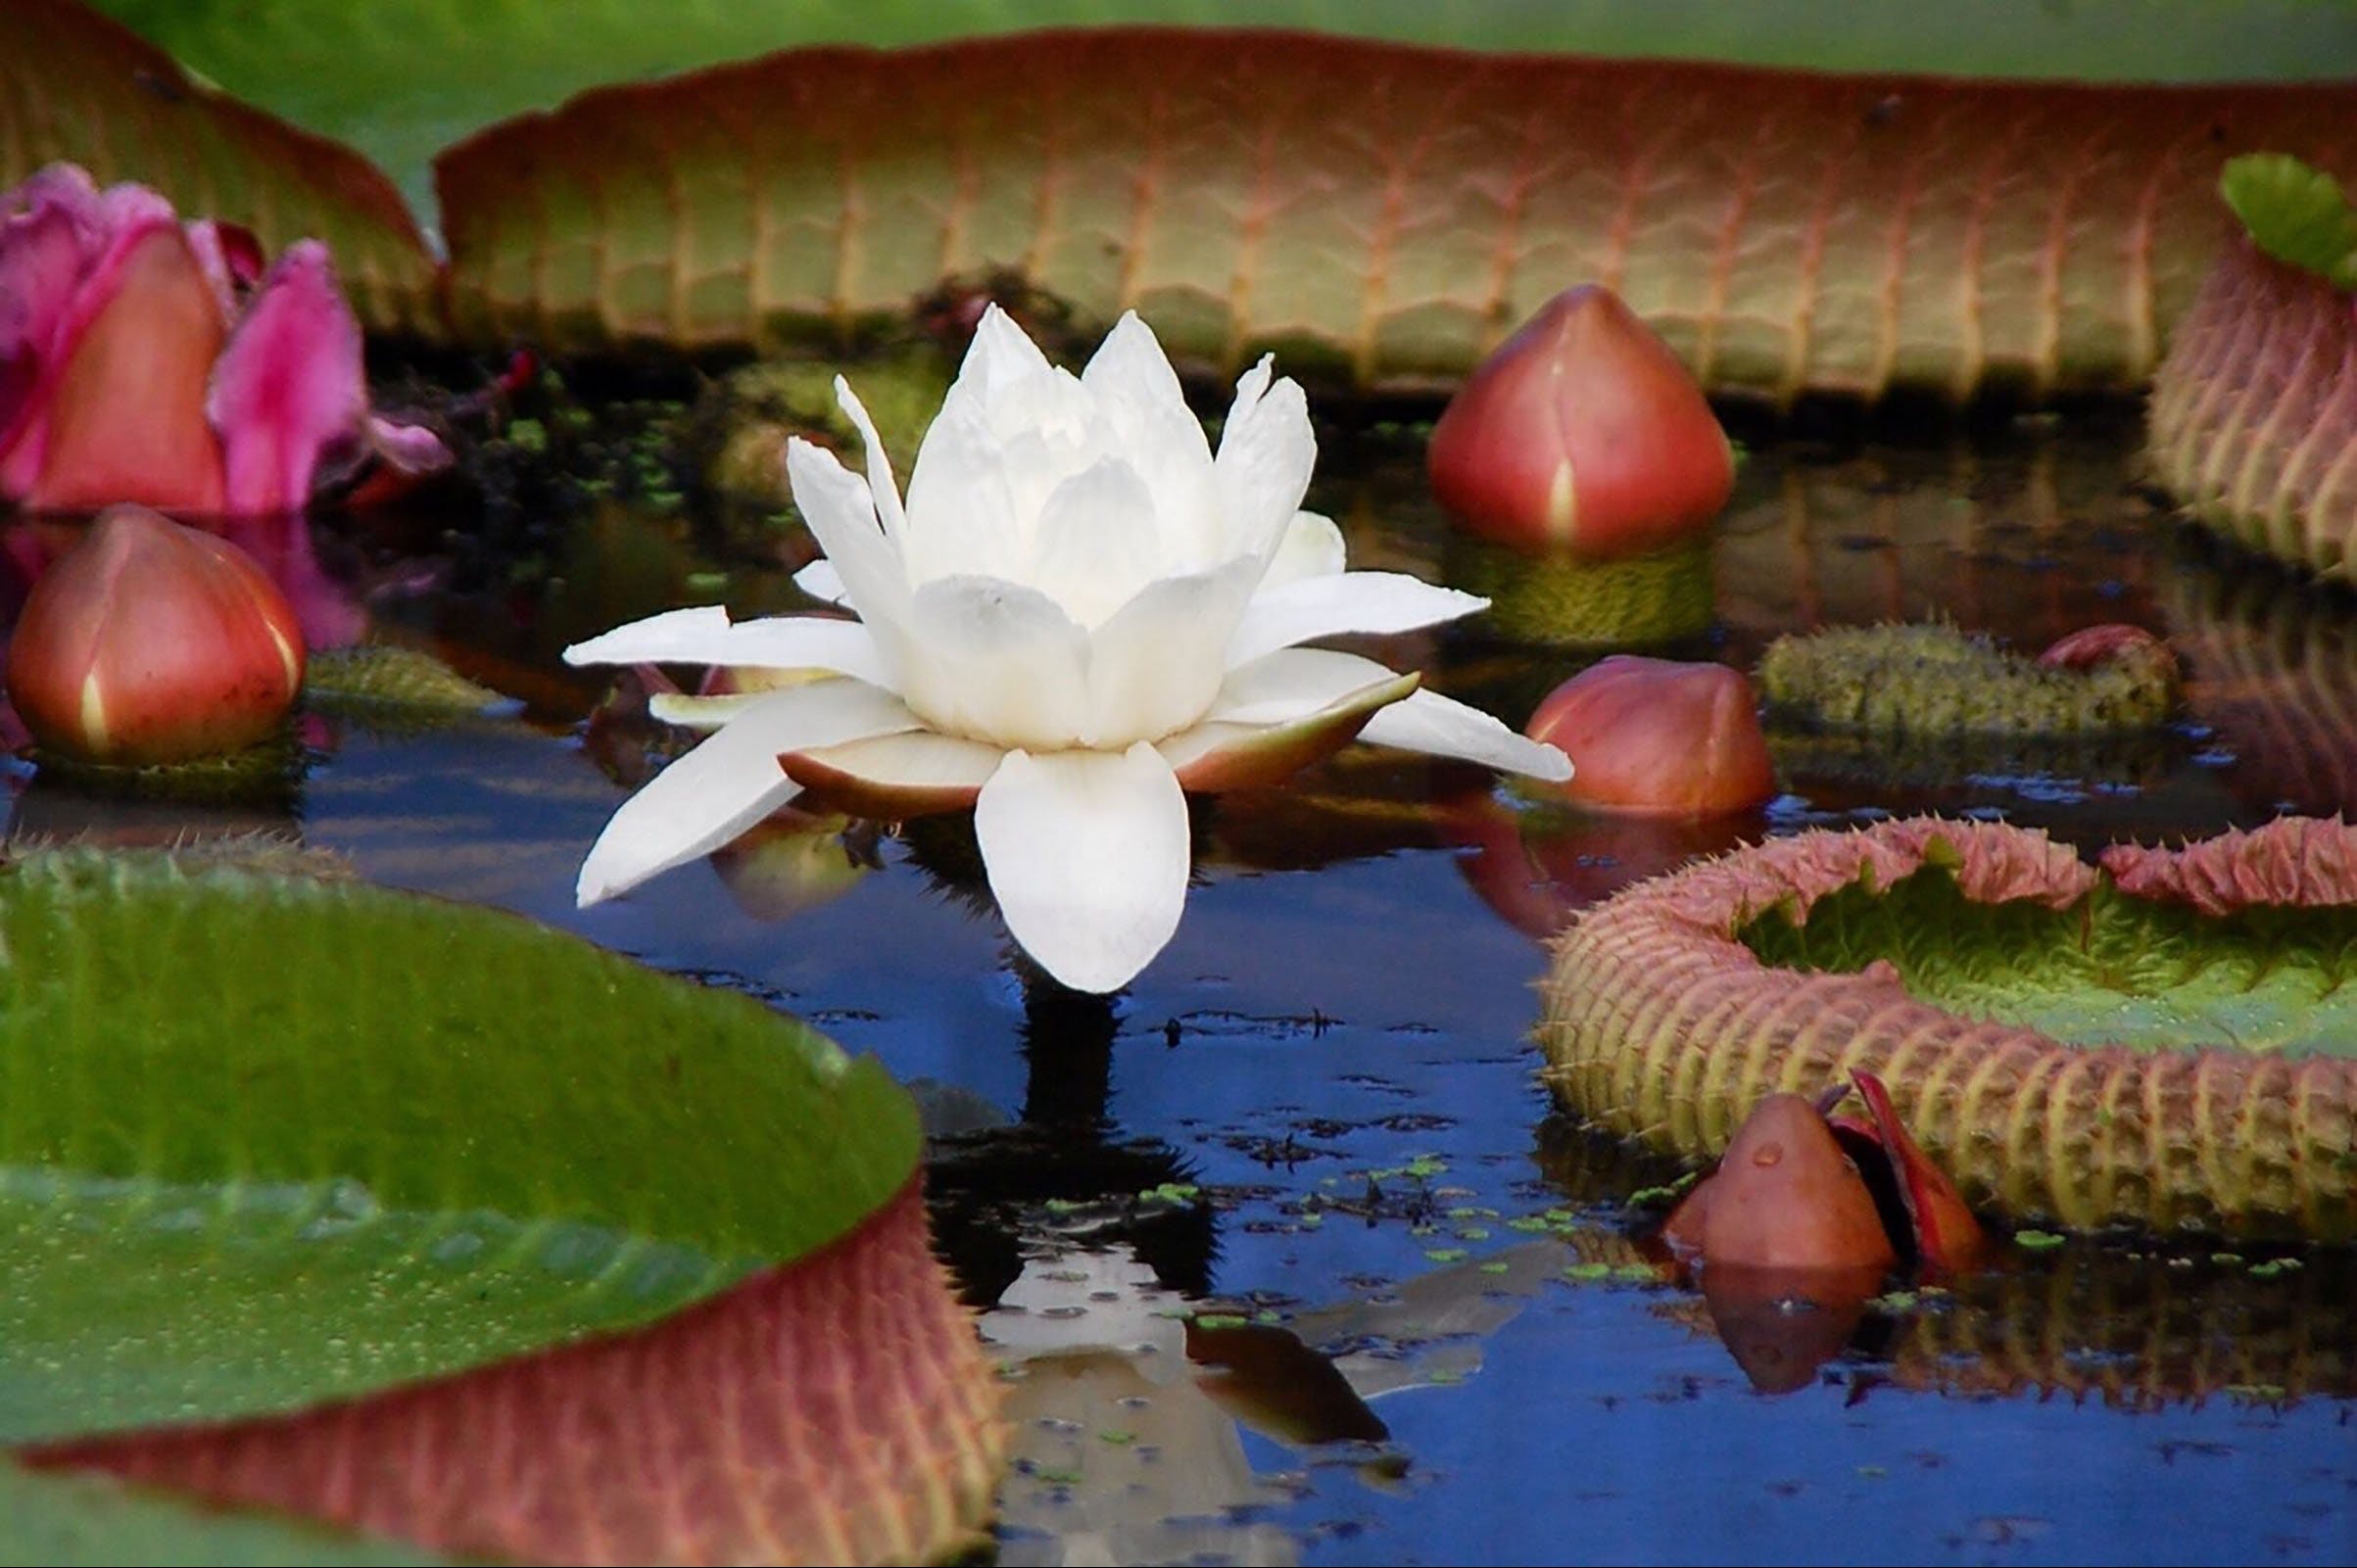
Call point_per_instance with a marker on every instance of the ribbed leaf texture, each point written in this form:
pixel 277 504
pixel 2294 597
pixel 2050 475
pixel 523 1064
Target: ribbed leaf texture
pixel 1784 231
pixel 2254 411
pixel 78 87
pixel 1659 1022
pixel 838 1409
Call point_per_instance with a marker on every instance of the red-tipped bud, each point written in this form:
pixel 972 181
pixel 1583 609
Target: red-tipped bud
pixel 149 642
pixel 2092 646
pixel 1660 737
pixel 1785 1196
pixel 1584 433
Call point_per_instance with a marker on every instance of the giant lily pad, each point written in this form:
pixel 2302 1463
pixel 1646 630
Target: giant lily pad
pixel 2254 411
pixel 405 77
pixel 2166 1042
pixel 78 87
pixel 1390 236
pixel 273 1138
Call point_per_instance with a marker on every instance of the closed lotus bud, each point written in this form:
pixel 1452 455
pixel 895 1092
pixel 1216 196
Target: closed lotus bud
pixel 1660 737
pixel 153 643
pixel 1585 432
pixel 1784 1197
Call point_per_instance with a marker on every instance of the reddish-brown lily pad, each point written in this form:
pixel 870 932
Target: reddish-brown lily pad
pixel 835 1409
pixel 1784 231
pixel 79 88
pixel 2169 1041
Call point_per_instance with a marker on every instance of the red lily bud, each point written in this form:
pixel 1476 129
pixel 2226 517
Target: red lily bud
pixel 2092 646
pixel 1785 1196
pixel 1582 432
pixel 1660 737
pixel 150 643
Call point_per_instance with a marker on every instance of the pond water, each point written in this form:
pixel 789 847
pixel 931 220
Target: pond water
pixel 1426 1333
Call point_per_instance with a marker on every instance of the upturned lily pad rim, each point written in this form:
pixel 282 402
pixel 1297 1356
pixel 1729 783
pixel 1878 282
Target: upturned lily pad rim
pixel 1660 1023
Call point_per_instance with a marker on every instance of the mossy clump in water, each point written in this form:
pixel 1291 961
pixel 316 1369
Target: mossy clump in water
pixel 379 683
pixel 744 418
pixel 1930 680
pixel 1559 601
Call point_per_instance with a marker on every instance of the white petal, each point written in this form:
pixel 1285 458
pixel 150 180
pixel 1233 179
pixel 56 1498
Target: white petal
pixel 675 637
pixel 730 781
pixel 821 580
pixel 1266 453
pixel 881 484
pixel 1292 683
pixel 1155 665
pixel 1088 854
pixel 842 514
pixel 1000 356
pixel 1311 607
pixel 1446 728
pixel 1130 364
pixel 997 661
pixel 914 759
pixel 961 513
pixel 705 636
pixel 1312 548
pixel 1096 546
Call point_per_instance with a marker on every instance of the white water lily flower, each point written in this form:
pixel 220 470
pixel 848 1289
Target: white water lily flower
pixel 1077 615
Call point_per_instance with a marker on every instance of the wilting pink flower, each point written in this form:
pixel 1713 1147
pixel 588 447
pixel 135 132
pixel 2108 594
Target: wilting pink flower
pixel 146 360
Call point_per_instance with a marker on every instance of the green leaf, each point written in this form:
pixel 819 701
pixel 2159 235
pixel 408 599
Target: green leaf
pixel 55 1520
pixel 268 1139
pixel 2295 213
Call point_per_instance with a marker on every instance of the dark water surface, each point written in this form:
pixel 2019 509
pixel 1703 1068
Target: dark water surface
pixel 1316 1118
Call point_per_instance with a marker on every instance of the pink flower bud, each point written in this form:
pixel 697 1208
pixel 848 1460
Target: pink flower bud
pixel 1660 737
pixel 1584 433
pixel 153 643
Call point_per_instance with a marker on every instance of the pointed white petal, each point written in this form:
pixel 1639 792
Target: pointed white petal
pixel 997 661
pixel 1344 602
pixel 842 514
pixel 675 637
pixel 1000 356
pixel 884 490
pixel 705 636
pixel 1130 364
pixel 1311 546
pixel 1266 453
pixel 1446 728
pixel 1292 683
pixel 1088 853
pixel 1217 755
pixel 729 782
pixel 821 580
pixel 1156 663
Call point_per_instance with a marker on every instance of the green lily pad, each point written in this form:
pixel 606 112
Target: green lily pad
pixel 2295 213
pixel 55 1520
pixel 272 1139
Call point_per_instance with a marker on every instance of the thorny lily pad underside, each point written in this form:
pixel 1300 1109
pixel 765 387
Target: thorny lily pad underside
pixel 1949 952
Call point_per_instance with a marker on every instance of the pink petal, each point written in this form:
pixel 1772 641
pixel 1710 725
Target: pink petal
pixel 289 386
pixel 122 417
pixel 52 232
pixel 231 257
